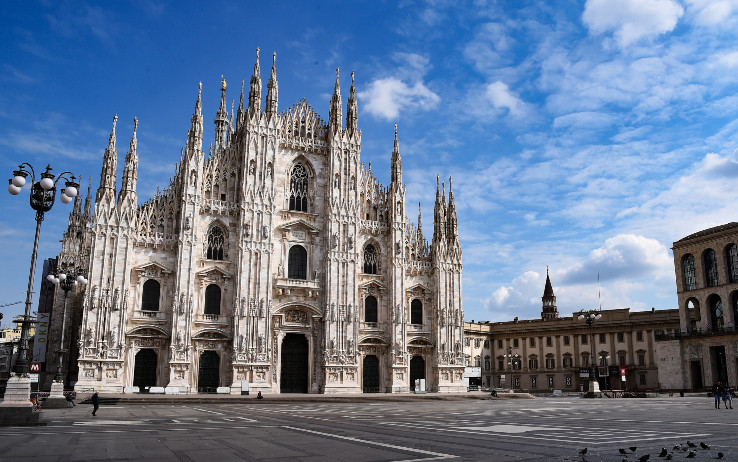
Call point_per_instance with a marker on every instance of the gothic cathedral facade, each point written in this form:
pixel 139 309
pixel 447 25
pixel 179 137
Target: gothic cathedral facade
pixel 278 259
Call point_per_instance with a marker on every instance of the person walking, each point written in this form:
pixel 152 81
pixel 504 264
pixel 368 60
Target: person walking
pixel 717 392
pixel 95 403
pixel 727 398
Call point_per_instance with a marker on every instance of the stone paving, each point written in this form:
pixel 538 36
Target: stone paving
pixel 373 429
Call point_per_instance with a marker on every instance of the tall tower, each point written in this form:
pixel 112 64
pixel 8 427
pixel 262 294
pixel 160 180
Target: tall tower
pixel 549 301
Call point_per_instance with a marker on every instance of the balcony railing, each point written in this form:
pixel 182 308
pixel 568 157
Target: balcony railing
pixel 693 333
pixel 219 319
pixel 148 315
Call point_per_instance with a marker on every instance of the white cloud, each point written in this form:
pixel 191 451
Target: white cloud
pixel 499 94
pixel 386 97
pixel 711 12
pixel 631 20
pixel 623 257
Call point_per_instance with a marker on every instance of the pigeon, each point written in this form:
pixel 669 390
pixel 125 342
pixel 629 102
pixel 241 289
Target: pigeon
pixel 678 447
pixel 644 458
pixel 670 456
pixel 632 448
pixel 691 444
pixel 720 455
pixel 622 451
pixel 663 452
pixel 583 451
pixel 704 446
pixel 691 454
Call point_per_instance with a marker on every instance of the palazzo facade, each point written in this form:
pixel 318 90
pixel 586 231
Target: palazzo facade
pixel 277 259
pixel 705 349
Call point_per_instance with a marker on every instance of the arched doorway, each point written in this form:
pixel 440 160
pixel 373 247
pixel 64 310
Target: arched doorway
pixel 144 369
pixel 417 370
pixel 208 377
pixel 370 374
pixel 293 377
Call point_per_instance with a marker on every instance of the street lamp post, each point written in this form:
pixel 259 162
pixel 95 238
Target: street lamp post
pixel 42 197
pixel 590 316
pixel 66 280
pixel 511 359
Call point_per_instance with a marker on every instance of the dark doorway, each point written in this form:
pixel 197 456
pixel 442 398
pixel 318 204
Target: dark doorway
pixel 417 370
pixel 144 370
pixel 696 370
pixel 370 374
pixel 294 373
pixel 721 366
pixel 208 377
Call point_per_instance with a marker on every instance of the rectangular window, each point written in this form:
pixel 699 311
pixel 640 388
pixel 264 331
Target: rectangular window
pixel 467 341
pixel 639 335
pixel 477 342
pixel 642 378
pixel 621 360
pixel 486 344
pixel 486 363
pixel 603 338
pixel 533 382
pixel 533 363
pixel 550 382
pixel 500 364
pixel 621 337
pixel 585 361
pixel 584 339
pixel 566 339
pixel 515 342
pixel 517 382
pixel 549 341
pixel 499 343
pixel 500 382
pixel 532 341
pixel 641 359
pixel 550 363
pixel 567 361
pixel 568 381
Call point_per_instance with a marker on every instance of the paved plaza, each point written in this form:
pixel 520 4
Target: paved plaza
pixel 542 429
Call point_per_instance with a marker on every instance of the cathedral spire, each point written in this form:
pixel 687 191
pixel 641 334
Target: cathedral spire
pixel 88 202
pixel 255 89
pixel 221 118
pixel 110 165
pixel 396 162
pixel 231 127
pixel 549 310
pixel 272 90
pixel 130 171
pixel 335 124
pixel 420 224
pixel 194 136
pixel 451 215
pixel 352 110
pixel 239 116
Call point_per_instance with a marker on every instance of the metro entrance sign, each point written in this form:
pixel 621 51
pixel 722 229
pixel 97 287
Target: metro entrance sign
pixel 35 367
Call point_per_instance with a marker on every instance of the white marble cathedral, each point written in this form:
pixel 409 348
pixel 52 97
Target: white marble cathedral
pixel 278 259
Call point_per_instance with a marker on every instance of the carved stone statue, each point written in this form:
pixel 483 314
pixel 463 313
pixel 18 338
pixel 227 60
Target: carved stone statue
pixel 180 340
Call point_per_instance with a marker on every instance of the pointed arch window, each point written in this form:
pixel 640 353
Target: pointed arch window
pixel 416 312
pixel 150 295
pixel 216 243
pixel 370 259
pixel 297 264
pixel 711 268
pixel 731 254
pixel 690 280
pixel 370 309
pixel 299 188
pixel 212 299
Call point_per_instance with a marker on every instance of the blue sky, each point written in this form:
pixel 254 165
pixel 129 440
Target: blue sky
pixel 586 136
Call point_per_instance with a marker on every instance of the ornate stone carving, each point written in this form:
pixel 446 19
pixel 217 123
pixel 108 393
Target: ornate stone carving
pixel 295 316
